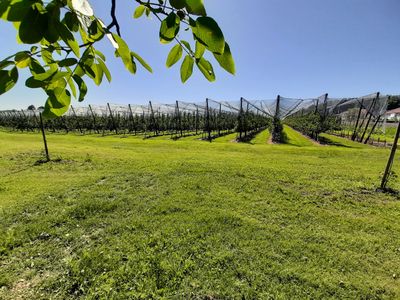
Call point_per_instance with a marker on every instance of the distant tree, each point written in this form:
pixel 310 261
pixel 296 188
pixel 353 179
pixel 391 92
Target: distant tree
pixel 64 33
pixel 31 107
pixel 394 102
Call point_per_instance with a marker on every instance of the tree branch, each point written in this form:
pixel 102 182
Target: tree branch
pixel 114 18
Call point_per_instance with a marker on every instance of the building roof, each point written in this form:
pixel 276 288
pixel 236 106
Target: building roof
pixel 393 111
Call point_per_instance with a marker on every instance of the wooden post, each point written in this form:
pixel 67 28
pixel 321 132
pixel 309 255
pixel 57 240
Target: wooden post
pixel 44 137
pixel 316 106
pixel 241 119
pixel 197 119
pixel 219 119
pixel 152 119
pixel 325 105
pixel 76 118
pixel 370 116
pixel 112 118
pixel 131 118
pixel 276 120
pixel 353 137
pixel 208 127
pixel 94 119
pixel 372 130
pixel 179 118
pixel 391 158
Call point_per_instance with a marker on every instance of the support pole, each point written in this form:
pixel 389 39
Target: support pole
pixel 316 106
pixel 353 137
pixel 112 118
pixel 152 119
pixel 370 117
pixel 219 119
pixel 325 105
pixel 372 130
pixel 208 127
pixel 76 118
pixel 131 118
pixel 276 121
pixel 44 137
pixel 391 158
pixel 94 119
pixel 241 120
pixel 179 119
pixel 197 119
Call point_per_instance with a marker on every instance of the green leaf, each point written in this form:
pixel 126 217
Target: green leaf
pixel 33 26
pixel 101 55
pixel 196 7
pixel 104 69
pixel 71 83
pixel 178 4
pixel 68 38
pixel 95 31
pixel 187 45
pixel 98 74
pixel 6 63
pixel 51 34
pixel 148 11
pixel 14 10
pixel 206 68
pixel 142 62
pixel 124 52
pixel 169 28
pixel 174 55
pixel 48 74
pixel 139 11
pixel 68 62
pixel 22 59
pixel 33 83
pixel 187 68
pixel 82 87
pixel 200 49
pixel 226 60
pixel 8 79
pixel 208 33
pixel 57 104
pixel 71 20
pixel 35 67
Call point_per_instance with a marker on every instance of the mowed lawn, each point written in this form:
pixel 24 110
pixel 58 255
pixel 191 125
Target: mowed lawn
pixel 125 218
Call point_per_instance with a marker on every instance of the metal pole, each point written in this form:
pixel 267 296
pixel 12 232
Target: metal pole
pixel 112 118
pixel 208 128
pixel 44 137
pixel 76 118
pixel 353 137
pixel 391 158
pixel 370 117
pixel 130 117
pixel 372 130
pixel 94 119
pixel 241 119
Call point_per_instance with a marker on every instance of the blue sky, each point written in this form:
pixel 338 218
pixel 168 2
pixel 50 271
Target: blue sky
pixel 295 48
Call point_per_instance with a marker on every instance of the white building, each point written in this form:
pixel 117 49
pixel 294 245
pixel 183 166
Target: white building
pixel 393 115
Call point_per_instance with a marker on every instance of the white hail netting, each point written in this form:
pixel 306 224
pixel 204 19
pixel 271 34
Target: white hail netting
pixel 374 104
pixel 232 107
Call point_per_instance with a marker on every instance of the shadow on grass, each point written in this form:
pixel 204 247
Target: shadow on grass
pixel 326 141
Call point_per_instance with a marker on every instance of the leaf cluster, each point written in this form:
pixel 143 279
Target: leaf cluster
pixel 63 36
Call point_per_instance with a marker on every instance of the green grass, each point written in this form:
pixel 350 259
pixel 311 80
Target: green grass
pixel 125 218
pixel 329 139
pixel 294 138
pixel 226 138
pixel 261 138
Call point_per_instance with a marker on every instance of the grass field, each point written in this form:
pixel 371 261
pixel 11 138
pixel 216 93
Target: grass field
pixel 126 218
